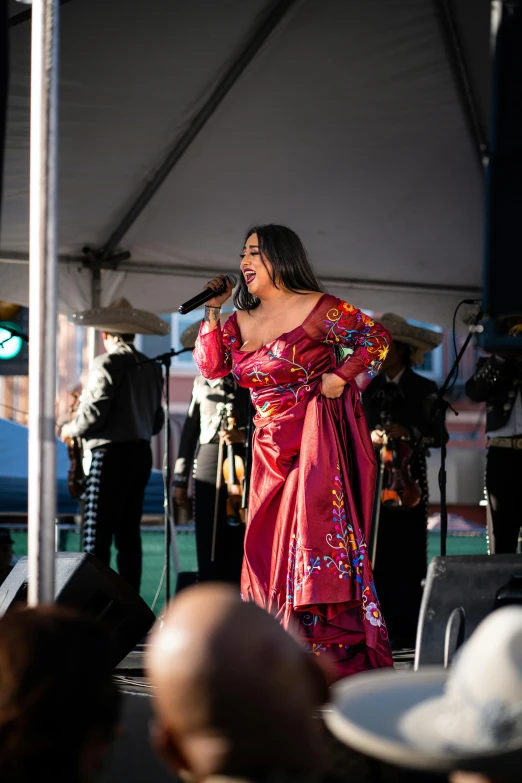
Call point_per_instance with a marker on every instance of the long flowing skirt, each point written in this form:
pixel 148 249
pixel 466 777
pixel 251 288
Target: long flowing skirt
pixel 310 505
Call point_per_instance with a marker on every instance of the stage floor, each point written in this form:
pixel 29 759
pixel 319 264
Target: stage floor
pixel 153 554
pixel 130 673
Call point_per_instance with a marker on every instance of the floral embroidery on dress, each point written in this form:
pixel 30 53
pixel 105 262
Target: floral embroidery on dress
pixel 261 378
pixel 303 377
pixel 373 614
pixel 288 392
pixel 228 343
pixel 317 648
pixel 372 611
pixel 373 346
pixel 345 561
pixel 347 554
pixel 294 584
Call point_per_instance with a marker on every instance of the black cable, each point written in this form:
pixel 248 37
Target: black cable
pixel 454 340
pixel 14 410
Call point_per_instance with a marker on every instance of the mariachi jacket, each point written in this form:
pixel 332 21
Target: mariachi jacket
pixel 203 420
pixel 496 382
pixel 121 401
pixel 411 405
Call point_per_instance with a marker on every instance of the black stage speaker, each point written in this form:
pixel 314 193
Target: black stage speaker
pixel 460 591
pixel 92 588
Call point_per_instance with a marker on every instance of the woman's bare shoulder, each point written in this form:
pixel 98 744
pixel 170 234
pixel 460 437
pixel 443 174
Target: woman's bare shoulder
pixel 243 317
pixel 310 299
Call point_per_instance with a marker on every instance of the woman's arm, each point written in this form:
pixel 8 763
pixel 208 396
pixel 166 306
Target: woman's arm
pixel 361 342
pixel 212 350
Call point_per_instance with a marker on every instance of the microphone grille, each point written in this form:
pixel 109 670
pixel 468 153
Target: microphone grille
pixel 232 279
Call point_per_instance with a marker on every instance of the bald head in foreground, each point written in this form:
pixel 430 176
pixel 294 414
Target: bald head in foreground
pixel 235 693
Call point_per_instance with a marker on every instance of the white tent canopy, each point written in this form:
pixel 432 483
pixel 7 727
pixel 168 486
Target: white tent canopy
pixel 355 122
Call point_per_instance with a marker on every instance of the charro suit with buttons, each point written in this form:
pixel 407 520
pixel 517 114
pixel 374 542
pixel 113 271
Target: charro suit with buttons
pixel 120 410
pixel 497 381
pixel 199 446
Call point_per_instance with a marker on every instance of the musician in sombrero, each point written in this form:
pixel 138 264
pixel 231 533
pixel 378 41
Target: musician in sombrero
pixel 219 550
pixel 119 412
pixel 398 405
pixel 497 381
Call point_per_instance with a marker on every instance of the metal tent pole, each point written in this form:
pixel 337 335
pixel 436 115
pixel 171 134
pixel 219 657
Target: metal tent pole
pixel 43 265
pixel 95 302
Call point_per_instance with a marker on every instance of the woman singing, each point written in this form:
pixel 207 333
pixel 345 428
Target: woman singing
pixel 306 356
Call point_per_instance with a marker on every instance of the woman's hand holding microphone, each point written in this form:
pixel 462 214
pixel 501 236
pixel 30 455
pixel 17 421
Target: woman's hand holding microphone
pixel 213 306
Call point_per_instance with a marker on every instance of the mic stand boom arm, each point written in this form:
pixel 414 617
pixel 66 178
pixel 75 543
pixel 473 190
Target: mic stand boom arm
pixel 440 408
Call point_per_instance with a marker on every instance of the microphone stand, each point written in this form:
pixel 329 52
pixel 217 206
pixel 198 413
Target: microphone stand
pixel 165 359
pixel 440 408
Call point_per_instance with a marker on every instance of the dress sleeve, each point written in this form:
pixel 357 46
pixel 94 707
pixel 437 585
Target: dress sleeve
pixel 212 352
pixel 361 344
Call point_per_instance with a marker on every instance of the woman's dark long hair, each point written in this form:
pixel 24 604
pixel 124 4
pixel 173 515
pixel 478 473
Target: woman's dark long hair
pixel 291 268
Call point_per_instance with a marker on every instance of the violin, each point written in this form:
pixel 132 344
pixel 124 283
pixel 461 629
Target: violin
pixel 234 475
pixel 76 479
pixel 399 488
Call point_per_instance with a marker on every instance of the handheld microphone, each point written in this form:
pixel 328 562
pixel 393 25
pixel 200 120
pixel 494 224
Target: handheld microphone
pixel 205 295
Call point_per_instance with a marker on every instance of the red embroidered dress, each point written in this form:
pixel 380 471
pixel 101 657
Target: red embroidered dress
pixel 312 481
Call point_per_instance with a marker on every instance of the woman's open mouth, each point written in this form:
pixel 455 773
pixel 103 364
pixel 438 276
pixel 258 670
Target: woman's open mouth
pixel 249 276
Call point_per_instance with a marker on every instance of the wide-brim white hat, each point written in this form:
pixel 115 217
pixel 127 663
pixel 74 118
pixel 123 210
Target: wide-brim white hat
pixel 467 717
pixel 120 317
pixel 421 339
pixel 189 336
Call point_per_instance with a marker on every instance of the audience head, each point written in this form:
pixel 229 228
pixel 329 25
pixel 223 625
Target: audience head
pixel 465 720
pixel 235 693
pixel 58 703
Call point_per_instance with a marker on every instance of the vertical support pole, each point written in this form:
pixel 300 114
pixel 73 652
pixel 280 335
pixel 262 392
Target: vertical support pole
pixel 167 480
pixel 95 302
pixel 43 265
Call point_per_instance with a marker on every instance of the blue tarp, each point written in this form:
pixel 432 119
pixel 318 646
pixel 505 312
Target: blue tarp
pixel 13 475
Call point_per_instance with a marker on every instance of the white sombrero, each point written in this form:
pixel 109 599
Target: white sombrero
pixel 422 340
pixel 189 336
pixel 467 717
pixel 120 317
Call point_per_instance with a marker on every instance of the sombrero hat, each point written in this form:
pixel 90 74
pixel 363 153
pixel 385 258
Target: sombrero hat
pixel 467 717
pixel 421 340
pixel 515 329
pixel 120 317
pixel 189 336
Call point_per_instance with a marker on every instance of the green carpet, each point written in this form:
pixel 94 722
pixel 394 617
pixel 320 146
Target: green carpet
pixel 153 555
pixel 457 545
